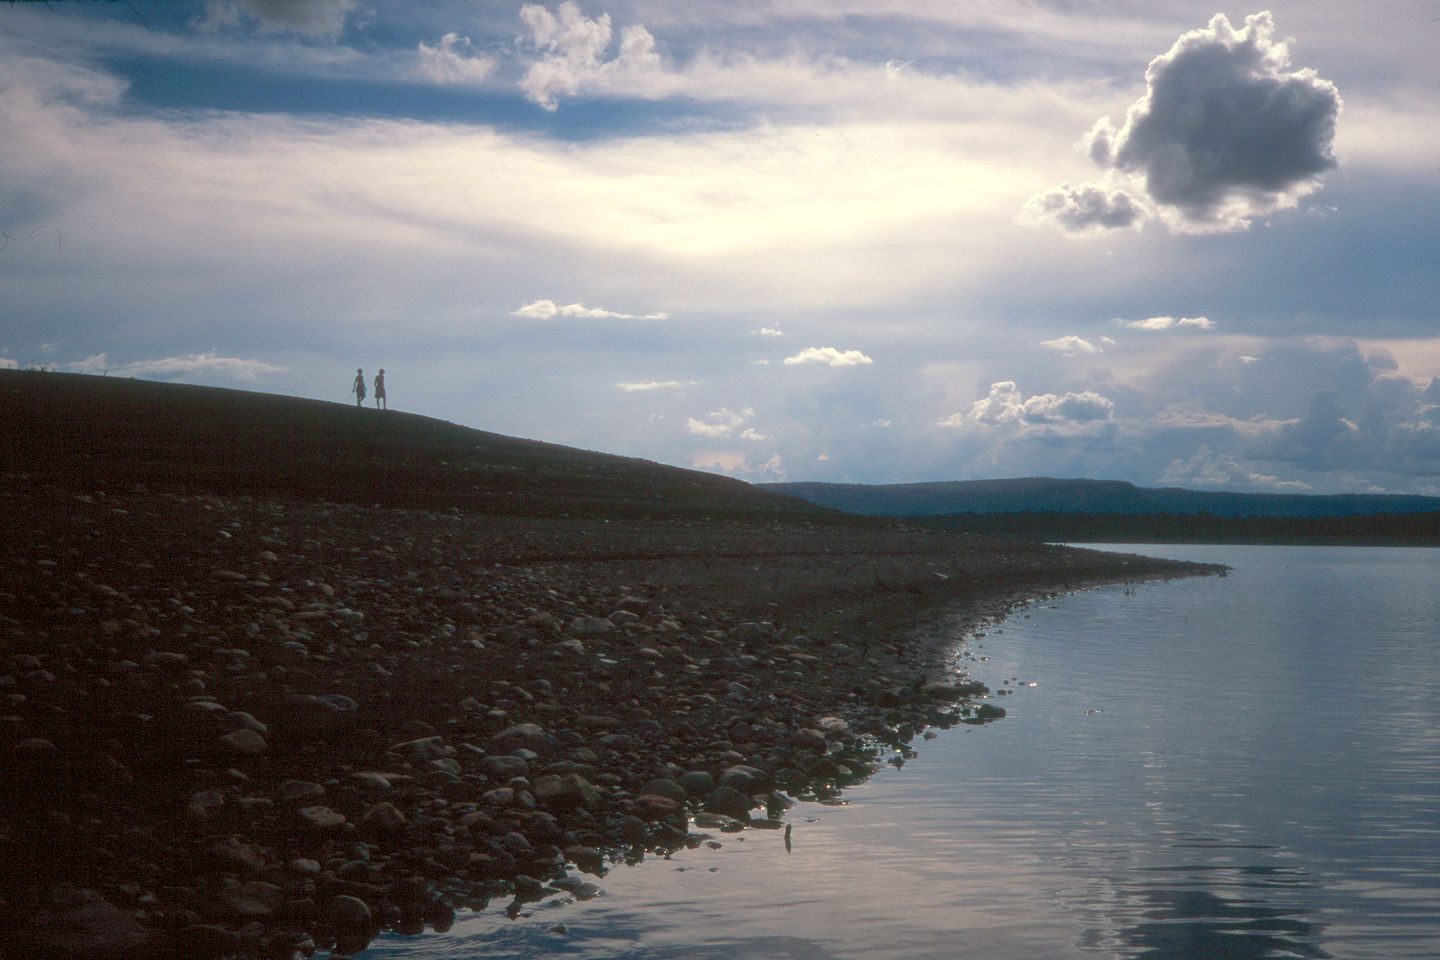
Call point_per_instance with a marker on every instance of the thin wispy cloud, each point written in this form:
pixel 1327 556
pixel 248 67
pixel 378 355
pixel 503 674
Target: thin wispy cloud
pixel 648 385
pixel 454 60
pixel 1071 344
pixel 1172 323
pixel 548 310
pixel 237 368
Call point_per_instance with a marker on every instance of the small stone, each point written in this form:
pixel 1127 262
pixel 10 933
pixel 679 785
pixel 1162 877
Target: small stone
pixel 371 781
pixel 298 790
pixel 531 736
pixel 504 766
pixel 424 748
pixel 321 818
pixel 242 720
pixel 245 741
pixel 383 818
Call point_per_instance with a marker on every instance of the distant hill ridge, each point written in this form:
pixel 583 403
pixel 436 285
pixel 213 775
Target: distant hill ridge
pixel 1049 495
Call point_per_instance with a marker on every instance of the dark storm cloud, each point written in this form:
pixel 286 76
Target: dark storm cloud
pixel 1225 132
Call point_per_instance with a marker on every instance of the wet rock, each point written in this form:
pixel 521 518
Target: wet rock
pixel 697 782
pixel 730 802
pixel 665 787
pixel 743 778
pixel 252 898
pixel 988 711
pixel 568 792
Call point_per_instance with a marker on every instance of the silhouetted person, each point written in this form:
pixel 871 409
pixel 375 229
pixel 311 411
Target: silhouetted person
pixel 358 387
pixel 380 390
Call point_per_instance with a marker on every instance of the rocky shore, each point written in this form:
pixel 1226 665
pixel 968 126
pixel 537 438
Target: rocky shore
pixel 253 726
pixel 261 723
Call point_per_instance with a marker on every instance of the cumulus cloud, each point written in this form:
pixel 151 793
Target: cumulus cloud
pixel 1071 344
pixel 549 309
pixel 196 364
pixel 1207 468
pixel 571 50
pixel 311 17
pixel 1170 323
pixel 1088 208
pixel 453 61
pixel 720 423
pixel 769 332
pixel 634 387
pixel 740 464
pixel 1226 131
pixel 1005 404
pixel 829 356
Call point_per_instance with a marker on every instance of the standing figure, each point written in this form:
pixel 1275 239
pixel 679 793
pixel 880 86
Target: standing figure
pixel 358 387
pixel 380 390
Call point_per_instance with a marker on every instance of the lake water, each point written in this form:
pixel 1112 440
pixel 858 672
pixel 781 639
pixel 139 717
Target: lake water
pixel 1211 769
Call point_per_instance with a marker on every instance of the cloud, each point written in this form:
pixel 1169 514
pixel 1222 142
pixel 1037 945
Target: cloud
pixel 548 309
pixel 769 332
pixel 720 423
pixel 1004 404
pixel 1169 323
pixel 325 18
pixel 452 62
pixel 828 356
pixel 1208 469
pixel 736 463
pixel 633 387
pixel 1088 208
pixel 1225 132
pixel 1071 344
pixel 210 363
pixel 572 50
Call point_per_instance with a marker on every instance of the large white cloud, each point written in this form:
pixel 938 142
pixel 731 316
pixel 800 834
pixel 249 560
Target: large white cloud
pixel 1006 404
pixel 829 356
pixel 572 51
pixel 1226 132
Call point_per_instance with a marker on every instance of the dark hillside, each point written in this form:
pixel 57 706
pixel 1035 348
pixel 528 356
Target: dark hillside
pixel 99 431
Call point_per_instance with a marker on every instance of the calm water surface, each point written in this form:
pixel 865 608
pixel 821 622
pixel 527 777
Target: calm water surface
pixel 1226 769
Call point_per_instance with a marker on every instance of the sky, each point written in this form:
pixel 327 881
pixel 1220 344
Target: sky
pixel 867 241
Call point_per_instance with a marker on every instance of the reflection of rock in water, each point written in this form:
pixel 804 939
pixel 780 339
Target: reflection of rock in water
pixel 1185 923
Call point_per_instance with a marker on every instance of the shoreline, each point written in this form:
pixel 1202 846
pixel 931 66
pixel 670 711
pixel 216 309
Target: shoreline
pixel 262 726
